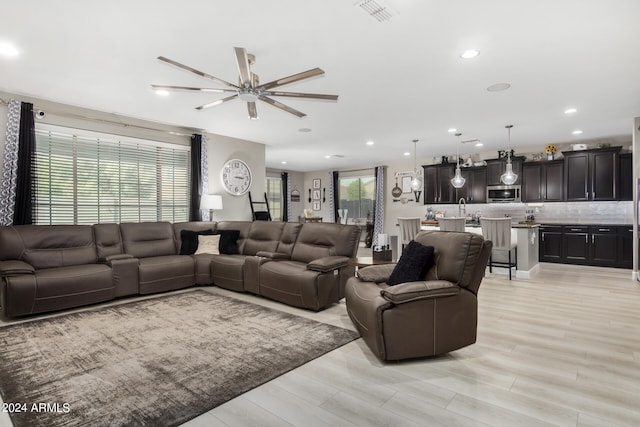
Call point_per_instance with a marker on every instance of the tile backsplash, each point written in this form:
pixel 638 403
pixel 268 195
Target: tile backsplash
pixel 565 212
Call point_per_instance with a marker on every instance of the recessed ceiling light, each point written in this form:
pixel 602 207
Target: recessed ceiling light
pixel 370 142
pixel 328 156
pixel 576 132
pixel 7 49
pixel 470 53
pixel 284 162
pixel 498 87
pixel 162 92
pixel 406 153
pixel 479 144
pixel 570 110
pixel 304 130
pixel 452 130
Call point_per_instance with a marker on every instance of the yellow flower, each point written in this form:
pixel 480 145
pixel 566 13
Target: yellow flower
pixel 550 148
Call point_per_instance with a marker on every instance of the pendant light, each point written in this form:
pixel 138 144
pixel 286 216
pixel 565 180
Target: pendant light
pixel 458 181
pixel 416 182
pixel 508 177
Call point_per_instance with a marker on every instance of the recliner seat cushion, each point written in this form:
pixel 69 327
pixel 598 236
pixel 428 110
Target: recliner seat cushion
pixel 164 273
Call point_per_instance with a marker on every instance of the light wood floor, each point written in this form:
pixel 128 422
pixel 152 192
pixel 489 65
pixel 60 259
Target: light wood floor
pixel 560 349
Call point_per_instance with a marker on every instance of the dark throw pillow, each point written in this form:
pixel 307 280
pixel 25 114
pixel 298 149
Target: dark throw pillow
pixel 189 240
pixel 229 241
pixel 413 264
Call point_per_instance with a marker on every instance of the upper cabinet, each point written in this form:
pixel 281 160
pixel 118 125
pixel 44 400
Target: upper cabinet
pixel 496 167
pixel 543 181
pixel 626 177
pixel 591 174
pixel 474 189
pixel 437 183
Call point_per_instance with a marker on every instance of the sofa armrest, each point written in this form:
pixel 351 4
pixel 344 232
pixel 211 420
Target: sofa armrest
pixel 375 273
pixel 273 255
pixel 425 289
pixel 328 263
pixel 109 259
pixel 15 267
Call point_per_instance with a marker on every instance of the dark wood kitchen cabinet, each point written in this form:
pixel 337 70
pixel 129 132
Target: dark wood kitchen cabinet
pixel 626 177
pixel 550 243
pixel 475 186
pixel 543 181
pixel 496 167
pixel 598 245
pixel 591 175
pixel 576 244
pixel 625 246
pixel 437 183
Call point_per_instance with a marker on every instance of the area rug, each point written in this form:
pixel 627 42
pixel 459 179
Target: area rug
pixel 156 362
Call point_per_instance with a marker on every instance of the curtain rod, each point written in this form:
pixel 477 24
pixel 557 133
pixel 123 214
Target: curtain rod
pixel 110 122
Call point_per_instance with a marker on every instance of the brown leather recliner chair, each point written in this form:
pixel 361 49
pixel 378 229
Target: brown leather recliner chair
pixel 424 318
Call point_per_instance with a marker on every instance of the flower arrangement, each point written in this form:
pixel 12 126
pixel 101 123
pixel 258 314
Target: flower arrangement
pixel 550 149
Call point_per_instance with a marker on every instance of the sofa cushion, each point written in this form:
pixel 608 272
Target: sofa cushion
pixel 263 236
pixel 148 239
pixel 189 240
pixel 413 264
pixel 229 241
pixel 49 246
pixel 208 244
pixel 321 239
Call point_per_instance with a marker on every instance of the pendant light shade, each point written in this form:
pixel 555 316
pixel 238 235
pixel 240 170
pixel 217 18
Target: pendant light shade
pixel 509 177
pixel 416 182
pixel 458 180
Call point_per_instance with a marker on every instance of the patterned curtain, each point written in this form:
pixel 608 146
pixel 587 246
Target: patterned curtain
pixel 286 199
pixel 334 196
pixel 378 207
pixel 10 165
pixel 204 175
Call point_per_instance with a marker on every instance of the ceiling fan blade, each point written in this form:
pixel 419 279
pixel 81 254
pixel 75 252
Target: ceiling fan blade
pixel 281 106
pixel 292 79
pixel 218 102
pixel 189 88
pixel 194 71
pixel 303 95
pixel 253 111
pixel 243 66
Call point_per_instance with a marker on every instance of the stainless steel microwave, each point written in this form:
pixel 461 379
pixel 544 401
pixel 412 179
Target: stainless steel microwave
pixel 503 193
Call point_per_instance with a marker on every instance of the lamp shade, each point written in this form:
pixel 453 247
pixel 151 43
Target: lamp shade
pixel 458 180
pixel 211 201
pixel 509 177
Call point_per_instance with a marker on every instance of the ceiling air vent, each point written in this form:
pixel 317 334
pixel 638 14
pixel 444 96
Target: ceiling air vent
pixel 375 9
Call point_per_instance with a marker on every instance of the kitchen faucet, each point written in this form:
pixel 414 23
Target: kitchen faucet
pixel 462 207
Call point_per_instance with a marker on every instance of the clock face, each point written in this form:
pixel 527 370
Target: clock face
pixel 236 177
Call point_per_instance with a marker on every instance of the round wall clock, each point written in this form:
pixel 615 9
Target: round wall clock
pixel 236 177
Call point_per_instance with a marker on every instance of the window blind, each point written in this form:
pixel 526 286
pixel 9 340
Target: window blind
pixel 94 178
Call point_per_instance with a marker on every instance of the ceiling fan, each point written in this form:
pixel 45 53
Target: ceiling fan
pixel 249 88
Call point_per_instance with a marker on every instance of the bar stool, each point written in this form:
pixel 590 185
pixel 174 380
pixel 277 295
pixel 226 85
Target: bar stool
pixel 498 230
pixel 409 228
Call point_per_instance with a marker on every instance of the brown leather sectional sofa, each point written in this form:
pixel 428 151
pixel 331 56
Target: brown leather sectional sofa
pixel 46 268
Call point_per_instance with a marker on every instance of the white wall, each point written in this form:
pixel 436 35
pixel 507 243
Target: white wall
pixel 222 148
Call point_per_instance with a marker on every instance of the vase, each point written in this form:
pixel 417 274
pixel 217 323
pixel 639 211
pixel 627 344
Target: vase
pixel 550 156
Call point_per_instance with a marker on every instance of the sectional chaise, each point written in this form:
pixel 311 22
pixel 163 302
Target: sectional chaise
pixel 47 268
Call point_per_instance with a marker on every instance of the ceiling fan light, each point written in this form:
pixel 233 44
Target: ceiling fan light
pixel 458 181
pixel 509 177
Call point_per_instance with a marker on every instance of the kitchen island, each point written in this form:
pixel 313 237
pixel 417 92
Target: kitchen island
pixel 526 236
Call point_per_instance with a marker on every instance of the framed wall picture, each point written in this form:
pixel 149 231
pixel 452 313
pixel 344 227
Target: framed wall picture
pixel 406 184
pixel 316 183
pixel 316 194
pixel 316 205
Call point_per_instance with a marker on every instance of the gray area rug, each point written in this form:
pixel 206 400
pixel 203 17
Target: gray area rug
pixel 157 362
